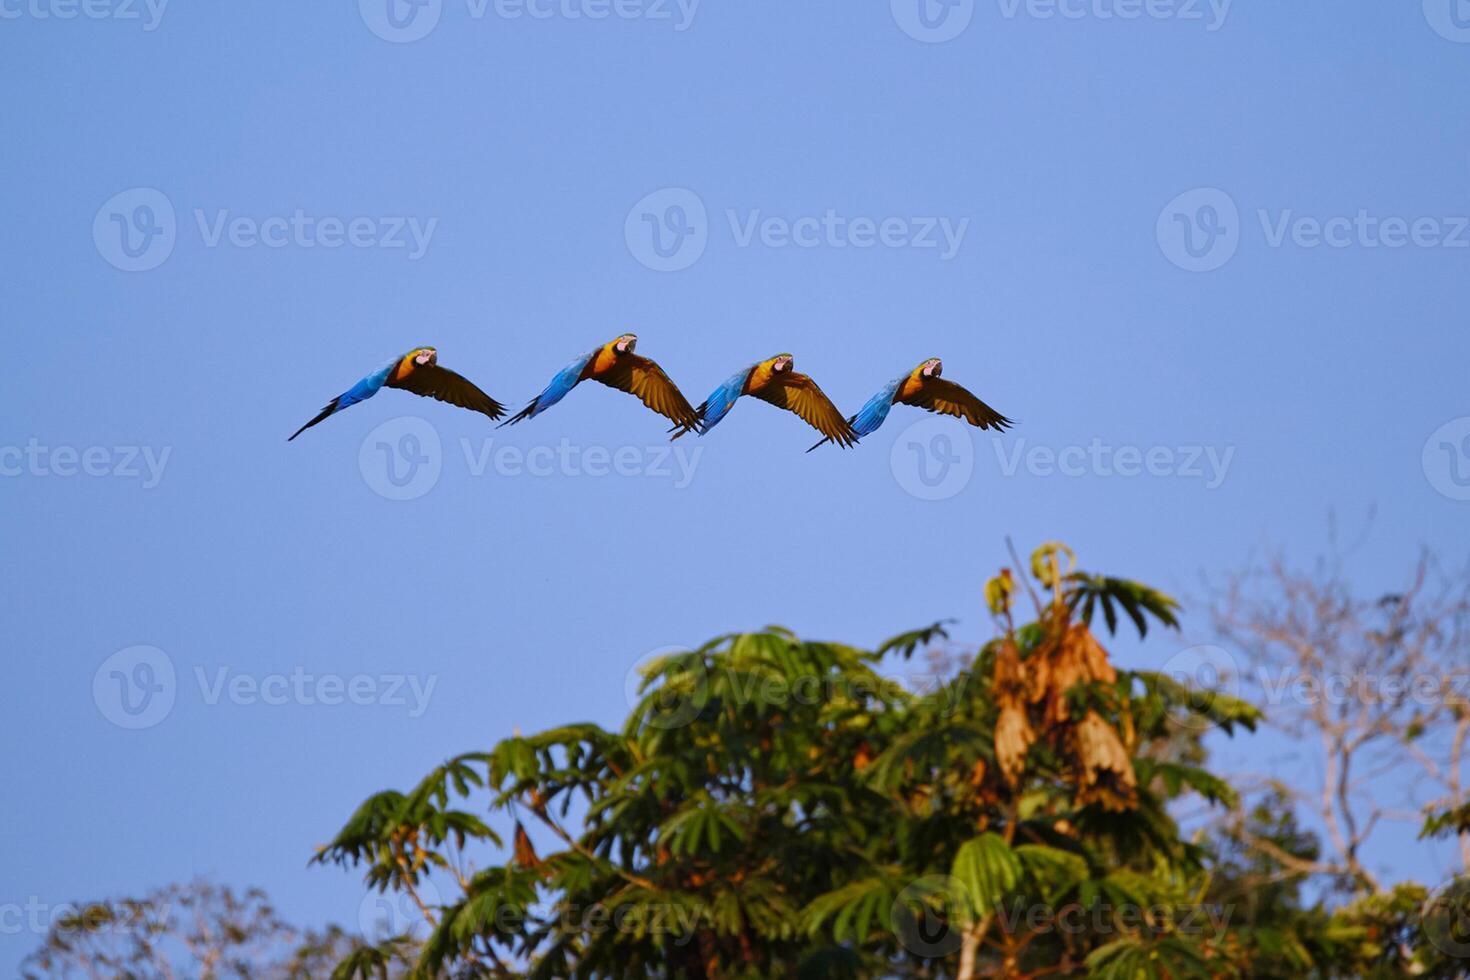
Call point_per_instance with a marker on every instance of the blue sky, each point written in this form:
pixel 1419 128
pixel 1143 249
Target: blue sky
pixel 309 190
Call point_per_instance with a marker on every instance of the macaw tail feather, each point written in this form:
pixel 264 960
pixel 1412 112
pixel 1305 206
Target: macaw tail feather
pixel 328 410
pixel 524 413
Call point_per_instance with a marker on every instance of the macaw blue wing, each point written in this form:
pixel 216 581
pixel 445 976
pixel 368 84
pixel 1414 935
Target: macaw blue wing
pixel 875 410
pixel 722 399
pixel 566 379
pixel 367 387
pixel 360 392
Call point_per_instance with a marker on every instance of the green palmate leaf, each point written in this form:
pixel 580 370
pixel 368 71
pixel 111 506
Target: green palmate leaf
pixel 1085 592
pixel 1170 958
pixel 1223 710
pixel 985 869
pixel 1053 870
pixel 372 962
pixel 852 911
pixel 1177 776
pixel 702 826
pixel 904 644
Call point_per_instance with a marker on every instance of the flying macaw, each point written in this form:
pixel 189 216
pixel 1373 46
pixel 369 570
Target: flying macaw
pixel 774 381
pixel 923 387
pixel 615 365
pixel 417 371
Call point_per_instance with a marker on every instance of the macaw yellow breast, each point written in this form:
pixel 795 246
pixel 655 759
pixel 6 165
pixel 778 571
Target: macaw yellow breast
pixel 603 360
pixel 404 369
pixel 911 386
pixel 760 377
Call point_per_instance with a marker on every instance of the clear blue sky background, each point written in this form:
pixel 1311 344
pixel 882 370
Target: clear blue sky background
pixel 530 598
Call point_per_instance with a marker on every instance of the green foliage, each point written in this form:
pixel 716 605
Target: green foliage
pixel 779 807
pixel 1451 822
pixel 985 871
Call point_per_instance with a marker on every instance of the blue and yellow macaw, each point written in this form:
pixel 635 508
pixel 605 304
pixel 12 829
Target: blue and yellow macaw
pixel 615 365
pixel 417 371
pixel 774 381
pixel 924 387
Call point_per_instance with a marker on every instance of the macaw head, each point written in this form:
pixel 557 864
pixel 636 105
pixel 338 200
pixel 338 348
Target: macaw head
pixel 931 368
pixel 782 363
pixel 625 343
pixel 425 356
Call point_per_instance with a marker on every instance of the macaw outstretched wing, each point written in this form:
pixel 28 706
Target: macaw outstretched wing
pixel 433 381
pixel 948 398
pixel 644 379
pixel 799 394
